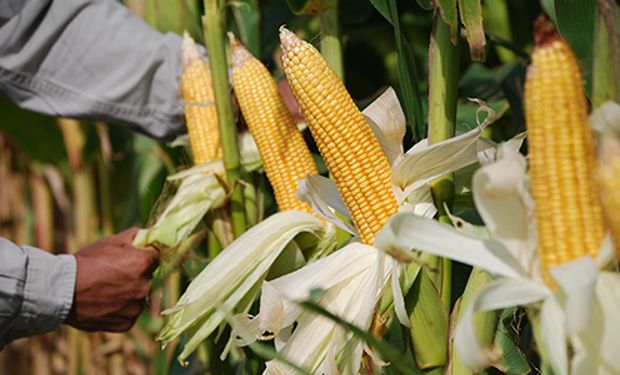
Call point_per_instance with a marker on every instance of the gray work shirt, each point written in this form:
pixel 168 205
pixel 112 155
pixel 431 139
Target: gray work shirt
pixel 81 59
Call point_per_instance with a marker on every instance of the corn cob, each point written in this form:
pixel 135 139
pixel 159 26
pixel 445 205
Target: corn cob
pixel 561 154
pixel 200 111
pixel 286 157
pixel 608 178
pixel 344 138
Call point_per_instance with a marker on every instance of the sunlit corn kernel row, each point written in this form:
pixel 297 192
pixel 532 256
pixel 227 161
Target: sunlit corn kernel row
pixel 561 154
pixel 286 157
pixel 346 142
pixel 199 102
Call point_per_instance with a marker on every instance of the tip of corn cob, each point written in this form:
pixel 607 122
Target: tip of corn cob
pixel 189 50
pixel 239 53
pixel 288 39
pixel 544 31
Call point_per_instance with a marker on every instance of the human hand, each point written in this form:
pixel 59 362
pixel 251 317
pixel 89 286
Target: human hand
pixel 112 282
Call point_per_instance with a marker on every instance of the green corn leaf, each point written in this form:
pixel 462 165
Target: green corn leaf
pixel 575 21
pixel 447 9
pixel 308 7
pixel 605 75
pixel 382 7
pixel 247 17
pixel 47 146
pixel 548 7
pixel 514 361
pixel 411 99
pixel 485 323
pixel 429 322
pixel 497 22
pixel 426 4
pixel 174 16
pixel 471 17
pixel 149 173
pixel 406 282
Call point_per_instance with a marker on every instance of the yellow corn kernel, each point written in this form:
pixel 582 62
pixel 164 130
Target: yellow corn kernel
pixel 608 178
pixel 561 154
pixel 199 102
pixel 344 138
pixel 286 157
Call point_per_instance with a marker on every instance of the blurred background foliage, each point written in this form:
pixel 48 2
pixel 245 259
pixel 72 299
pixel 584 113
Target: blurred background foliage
pixel 65 183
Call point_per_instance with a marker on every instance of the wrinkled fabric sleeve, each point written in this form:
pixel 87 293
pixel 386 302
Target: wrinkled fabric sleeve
pixel 90 59
pixel 36 290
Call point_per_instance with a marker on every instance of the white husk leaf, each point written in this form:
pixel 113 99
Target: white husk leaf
pixel 405 232
pixel 233 274
pixel 351 280
pixel 423 162
pixel 323 197
pixel 196 195
pixel 577 279
pixel 399 300
pixel 552 325
pixel 419 202
pixel 387 121
pixel 608 296
pixel 606 118
pixel 505 205
pixel 607 253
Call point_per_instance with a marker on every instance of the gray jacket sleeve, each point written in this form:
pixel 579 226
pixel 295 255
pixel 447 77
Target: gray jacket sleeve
pixel 36 290
pixel 90 59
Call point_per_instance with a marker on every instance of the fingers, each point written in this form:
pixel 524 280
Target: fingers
pixel 120 320
pixel 147 262
pixel 124 237
pixel 124 320
pixel 153 262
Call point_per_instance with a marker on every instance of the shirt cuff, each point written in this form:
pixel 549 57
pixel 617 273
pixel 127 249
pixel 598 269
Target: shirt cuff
pixel 48 290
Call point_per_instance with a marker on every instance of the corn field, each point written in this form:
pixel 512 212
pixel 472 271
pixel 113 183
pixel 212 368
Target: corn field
pixel 394 187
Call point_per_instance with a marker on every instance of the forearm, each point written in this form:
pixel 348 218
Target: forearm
pixel 36 289
pixel 90 59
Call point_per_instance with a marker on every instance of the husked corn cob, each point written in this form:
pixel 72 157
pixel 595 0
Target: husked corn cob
pixel 286 157
pixel 608 178
pixel 199 102
pixel 561 154
pixel 344 138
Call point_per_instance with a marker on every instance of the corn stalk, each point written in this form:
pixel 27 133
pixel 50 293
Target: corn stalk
pixel 331 44
pixel 215 40
pixel 430 297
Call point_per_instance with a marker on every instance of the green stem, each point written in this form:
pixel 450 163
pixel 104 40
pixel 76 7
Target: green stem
pixel 331 45
pixel 443 85
pixel 215 40
pixel 213 245
pixel 250 196
pixel 446 283
pixel 428 302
